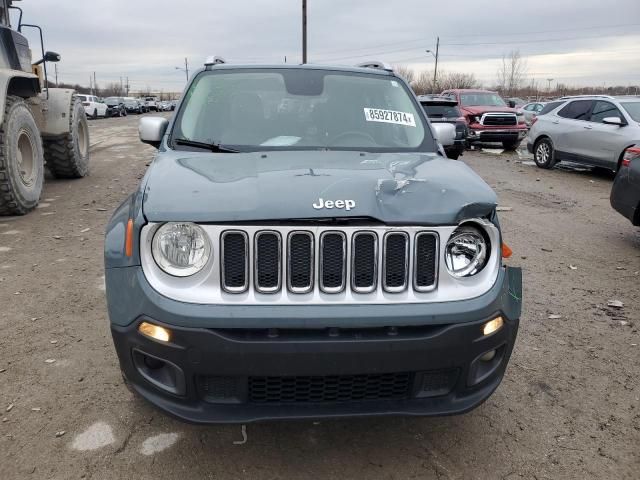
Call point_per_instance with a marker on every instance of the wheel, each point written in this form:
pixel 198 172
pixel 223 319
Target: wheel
pixel 95 113
pixel 67 156
pixel 453 155
pixel 124 113
pixel 511 146
pixel 21 159
pixel 543 153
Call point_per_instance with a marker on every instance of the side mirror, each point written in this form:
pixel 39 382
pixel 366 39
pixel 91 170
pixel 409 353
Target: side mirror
pixel 445 133
pixel 511 103
pixel 151 130
pixel 52 57
pixel 614 121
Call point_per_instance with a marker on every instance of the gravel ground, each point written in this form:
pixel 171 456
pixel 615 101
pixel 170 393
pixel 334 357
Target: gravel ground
pixel 567 408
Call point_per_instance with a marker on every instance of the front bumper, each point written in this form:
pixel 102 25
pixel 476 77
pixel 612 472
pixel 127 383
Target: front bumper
pixel 484 134
pixel 249 363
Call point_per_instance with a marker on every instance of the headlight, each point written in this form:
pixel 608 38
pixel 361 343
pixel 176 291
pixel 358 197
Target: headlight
pixel 181 249
pixel 466 252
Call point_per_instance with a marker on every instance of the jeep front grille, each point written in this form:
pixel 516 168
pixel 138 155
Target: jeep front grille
pixel 344 260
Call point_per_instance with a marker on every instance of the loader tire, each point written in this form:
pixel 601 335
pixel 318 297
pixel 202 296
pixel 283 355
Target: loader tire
pixel 21 159
pixel 67 156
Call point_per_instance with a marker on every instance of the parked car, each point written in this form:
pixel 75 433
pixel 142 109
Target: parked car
pixel 592 130
pixel 143 105
pixel 489 118
pixel 132 105
pixel 445 110
pixel 93 108
pixel 115 107
pixel 515 102
pixel 220 310
pixel 152 103
pixel 625 194
pixel 530 110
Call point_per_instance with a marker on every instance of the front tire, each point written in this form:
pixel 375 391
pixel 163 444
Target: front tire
pixel 21 159
pixel 95 114
pixel 67 156
pixel 543 153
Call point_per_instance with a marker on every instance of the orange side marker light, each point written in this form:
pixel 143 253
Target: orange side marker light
pixel 128 240
pixel 506 251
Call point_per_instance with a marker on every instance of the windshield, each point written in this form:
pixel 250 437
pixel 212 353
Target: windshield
pixel 266 109
pixel 482 99
pixel 442 111
pixel 633 109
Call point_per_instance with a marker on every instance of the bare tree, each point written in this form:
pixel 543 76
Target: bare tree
pixel 511 73
pixel 405 72
pixel 457 80
pixel 113 89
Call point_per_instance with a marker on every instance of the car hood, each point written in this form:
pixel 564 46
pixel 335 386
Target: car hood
pixel 478 109
pixel 398 188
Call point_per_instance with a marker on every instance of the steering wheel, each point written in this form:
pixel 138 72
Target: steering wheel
pixel 368 138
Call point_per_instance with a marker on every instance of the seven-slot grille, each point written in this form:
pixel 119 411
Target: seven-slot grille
pixel 362 261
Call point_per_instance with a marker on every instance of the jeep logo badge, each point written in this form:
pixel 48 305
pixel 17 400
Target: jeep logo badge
pixel 346 204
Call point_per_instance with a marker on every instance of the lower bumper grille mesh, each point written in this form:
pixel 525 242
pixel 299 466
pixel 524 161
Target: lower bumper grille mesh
pixel 339 388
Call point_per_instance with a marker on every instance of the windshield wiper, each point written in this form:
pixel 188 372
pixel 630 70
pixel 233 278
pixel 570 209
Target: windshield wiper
pixel 213 147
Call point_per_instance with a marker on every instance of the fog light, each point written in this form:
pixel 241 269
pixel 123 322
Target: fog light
pixel 487 357
pixel 154 331
pixel 492 326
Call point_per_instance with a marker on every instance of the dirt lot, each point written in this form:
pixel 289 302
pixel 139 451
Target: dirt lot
pixel 567 408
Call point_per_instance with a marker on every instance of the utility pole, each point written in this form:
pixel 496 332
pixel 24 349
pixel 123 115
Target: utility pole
pixel 549 84
pixel 56 70
pixel 186 68
pixel 435 69
pixel 90 86
pixel 304 31
pixel 127 87
pixel 95 86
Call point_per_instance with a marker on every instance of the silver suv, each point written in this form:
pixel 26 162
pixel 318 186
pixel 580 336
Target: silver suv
pixel 592 130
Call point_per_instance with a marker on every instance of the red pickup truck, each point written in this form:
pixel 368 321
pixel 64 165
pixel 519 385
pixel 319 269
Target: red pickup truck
pixel 489 118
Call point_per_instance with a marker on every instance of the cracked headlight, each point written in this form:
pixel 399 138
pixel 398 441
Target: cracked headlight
pixel 466 252
pixel 181 249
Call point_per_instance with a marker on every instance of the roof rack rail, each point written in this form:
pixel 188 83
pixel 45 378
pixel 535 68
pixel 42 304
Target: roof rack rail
pixel 567 97
pixel 376 64
pixel 214 60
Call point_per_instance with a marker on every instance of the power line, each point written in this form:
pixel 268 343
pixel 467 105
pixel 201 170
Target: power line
pixel 597 27
pixel 422 42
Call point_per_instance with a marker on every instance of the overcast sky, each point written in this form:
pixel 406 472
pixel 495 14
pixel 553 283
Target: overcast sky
pixel 578 42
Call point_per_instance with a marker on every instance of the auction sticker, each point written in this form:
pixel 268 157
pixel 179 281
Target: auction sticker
pixel 389 116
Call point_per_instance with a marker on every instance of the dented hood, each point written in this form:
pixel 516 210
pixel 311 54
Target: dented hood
pixel 480 109
pixel 397 188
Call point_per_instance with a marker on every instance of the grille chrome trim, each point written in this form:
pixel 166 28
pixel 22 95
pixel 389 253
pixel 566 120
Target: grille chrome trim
pixel 245 286
pixel 385 263
pixel 309 287
pixel 374 285
pixel 343 284
pixel 205 287
pixel 425 288
pixel 256 252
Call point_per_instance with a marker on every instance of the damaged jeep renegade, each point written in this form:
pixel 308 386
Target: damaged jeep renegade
pixel 300 247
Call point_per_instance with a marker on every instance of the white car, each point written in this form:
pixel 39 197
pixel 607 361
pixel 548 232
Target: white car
pixel 152 103
pixel 92 107
pixel 532 110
